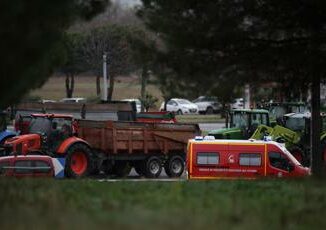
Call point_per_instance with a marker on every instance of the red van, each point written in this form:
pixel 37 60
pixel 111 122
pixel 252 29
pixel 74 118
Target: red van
pixel 27 166
pixel 230 159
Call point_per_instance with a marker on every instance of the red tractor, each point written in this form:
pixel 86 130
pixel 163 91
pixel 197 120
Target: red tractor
pixel 54 135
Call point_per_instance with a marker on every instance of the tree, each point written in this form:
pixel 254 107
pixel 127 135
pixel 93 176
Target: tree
pixel 74 62
pixel 144 54
pixel 256 40
pixel 112 41
pixel 31 41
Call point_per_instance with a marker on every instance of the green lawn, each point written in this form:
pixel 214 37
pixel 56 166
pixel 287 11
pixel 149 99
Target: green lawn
pixel 88 204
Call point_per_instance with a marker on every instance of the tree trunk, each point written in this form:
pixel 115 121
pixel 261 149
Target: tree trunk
pixel 316 156
pixel 111 87
pixel 98 85
pixel 70 84
pixel 144 77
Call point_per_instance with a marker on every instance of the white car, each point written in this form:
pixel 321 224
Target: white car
pixel 180 106
pixel 73 100
pixel 238 103
pixel 137 101
pixel 207 105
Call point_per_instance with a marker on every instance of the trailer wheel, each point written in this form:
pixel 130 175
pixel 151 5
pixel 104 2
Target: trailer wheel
pixel 298 154
pixel 153 167
pixel 78 161
pixel 121 168
pixel 174 166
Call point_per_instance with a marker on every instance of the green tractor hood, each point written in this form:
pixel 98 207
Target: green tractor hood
pixel 227 133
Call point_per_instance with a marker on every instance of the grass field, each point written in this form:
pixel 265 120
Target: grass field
pixel 88 204
pixel 85 86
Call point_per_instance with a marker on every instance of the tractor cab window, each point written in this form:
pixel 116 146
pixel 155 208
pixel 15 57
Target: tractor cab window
pixel 239 120
pixel 264 119
pixel 279 161
pixel 295 124
pixel 277 111
pixel 63 125
pixel 40 125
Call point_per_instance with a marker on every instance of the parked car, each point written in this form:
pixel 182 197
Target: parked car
pixel 207 105
pixel 137 101
pixel 238 103
pixel 180 106
pixel 73 100
pixel 31 166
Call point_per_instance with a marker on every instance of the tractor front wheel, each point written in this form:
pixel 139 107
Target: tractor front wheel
pixel 78 161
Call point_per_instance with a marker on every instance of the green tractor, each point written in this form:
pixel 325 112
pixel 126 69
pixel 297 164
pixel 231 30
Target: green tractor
pixel 295 134
pixel 241 124
pixel 278 109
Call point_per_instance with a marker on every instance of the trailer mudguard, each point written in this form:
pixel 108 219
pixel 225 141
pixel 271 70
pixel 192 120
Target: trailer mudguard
pixel 6 134
pixel 69 142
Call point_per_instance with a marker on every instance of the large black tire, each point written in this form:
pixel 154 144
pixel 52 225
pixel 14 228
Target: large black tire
pixel 174 166
pixel 121 168
pixel 153 167
pixel 179 112
pixel 78 161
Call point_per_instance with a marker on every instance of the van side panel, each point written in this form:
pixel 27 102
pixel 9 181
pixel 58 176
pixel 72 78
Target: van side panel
pixel 250 160
pixel 207 160
pixel 212 160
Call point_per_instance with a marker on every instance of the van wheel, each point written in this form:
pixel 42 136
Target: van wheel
pixel 78 161
pixel 121 168
pixel 153 167
pixel 174 166
pixel 179 112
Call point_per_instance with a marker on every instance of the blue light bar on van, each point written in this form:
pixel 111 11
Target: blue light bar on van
pixel 267 138
pixel 199 138
pixel 209 138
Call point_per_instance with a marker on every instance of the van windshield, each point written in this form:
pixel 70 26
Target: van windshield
pixel 289 155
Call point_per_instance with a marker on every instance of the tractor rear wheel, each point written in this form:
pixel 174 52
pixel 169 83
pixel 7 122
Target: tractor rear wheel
pixel 78 161
pixel 174 166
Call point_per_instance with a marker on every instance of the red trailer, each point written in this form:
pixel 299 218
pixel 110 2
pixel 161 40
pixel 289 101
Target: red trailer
pixel 217 159
pixel 145 146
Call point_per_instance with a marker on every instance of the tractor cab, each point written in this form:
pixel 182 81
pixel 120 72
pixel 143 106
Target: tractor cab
pixel 241 124
pixel 49 123
pixel 45 134
pixel 278 109
pixel 54 128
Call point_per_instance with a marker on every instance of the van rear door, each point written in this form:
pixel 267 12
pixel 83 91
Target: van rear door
pixel 207 160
